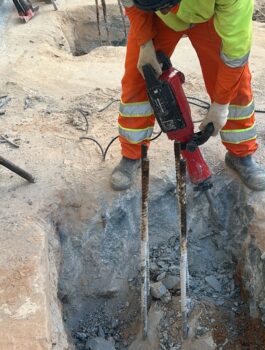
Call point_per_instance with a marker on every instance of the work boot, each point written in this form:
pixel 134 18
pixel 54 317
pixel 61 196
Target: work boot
pixel 29 14
pixel 124 173
pixel 250 173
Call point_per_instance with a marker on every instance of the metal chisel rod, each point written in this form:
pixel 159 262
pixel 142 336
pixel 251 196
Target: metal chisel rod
pixel 181 198
pixel 145 286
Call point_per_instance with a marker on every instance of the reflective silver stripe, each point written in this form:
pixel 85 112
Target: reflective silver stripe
pixel 127 3
pixel 241 112
pixel 239 136
pixel 142 109
pixel 136 136
pixel 234 62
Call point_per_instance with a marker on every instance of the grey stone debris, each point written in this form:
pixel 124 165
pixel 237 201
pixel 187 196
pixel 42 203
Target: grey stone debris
pixel 161 276
pixel 81 336
pixel 166 298
pixel 101 333
pixel 171 282
pixel 214 283
pixel 157 290
pixel 99 344
pixel 162 264
pixel 174 268
pixel 114 323
pixel 262 256
pixel 262 305
pixel 153 267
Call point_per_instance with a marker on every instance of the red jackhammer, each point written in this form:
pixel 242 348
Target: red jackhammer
pixel 173 115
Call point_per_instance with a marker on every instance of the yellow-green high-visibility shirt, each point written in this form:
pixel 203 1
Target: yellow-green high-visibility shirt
pixel 232 21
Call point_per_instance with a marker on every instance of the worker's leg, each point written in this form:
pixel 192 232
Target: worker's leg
pixel 136 119
pixel 239 134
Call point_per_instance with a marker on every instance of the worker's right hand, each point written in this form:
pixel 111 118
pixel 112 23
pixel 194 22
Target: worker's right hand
pixel 147 55
pixel 217 115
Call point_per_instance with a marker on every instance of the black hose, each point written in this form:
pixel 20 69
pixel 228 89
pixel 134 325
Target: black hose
pixel 203 104
pixel 107 148
pixel 94 140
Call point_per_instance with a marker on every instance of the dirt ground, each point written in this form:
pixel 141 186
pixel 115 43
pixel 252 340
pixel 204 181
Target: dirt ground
pixel 49 99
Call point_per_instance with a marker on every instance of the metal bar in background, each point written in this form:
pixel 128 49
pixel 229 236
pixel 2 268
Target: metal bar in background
pixel 98 21
pixel 54 5
pixel 104 8
pixel 123 19
pixel 6 163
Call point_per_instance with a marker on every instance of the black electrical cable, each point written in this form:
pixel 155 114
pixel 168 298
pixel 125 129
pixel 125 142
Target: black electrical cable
pixel 106 150
pixel 196 104
pixel 104 153
pixel 204 105
pixel 157 136
pixel 94 140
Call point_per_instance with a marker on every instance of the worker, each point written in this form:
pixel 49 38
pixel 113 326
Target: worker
pixel 220 32
pixel 25 9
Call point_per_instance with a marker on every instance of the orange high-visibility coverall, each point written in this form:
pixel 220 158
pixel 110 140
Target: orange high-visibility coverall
pixel 136 119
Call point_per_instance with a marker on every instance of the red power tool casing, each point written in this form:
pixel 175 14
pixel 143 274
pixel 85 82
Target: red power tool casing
pixel 172 111
pixel 197 167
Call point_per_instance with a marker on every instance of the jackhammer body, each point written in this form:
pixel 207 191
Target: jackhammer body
pixel 173 114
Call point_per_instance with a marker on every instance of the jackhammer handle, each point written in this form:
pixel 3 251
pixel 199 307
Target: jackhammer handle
pixel 200 137
pixel 205 134
pixel 150 75
pixel 164 60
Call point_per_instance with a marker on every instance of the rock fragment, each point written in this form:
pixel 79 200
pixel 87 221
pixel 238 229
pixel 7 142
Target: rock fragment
pixel 171 282
pixel 157 290
pixel 214 283
pixel 99 344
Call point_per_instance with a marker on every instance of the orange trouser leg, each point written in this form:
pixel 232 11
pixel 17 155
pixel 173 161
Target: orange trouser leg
pixel 239 134
pixel 136 119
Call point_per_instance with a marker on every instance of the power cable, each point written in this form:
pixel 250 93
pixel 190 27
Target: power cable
pixel 203 104
pixel 192 100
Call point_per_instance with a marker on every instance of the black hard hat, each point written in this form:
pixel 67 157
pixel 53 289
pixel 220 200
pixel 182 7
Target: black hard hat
pixel 154 5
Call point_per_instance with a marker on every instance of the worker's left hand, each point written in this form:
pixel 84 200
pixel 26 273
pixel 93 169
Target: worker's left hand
pixel 147 55
pixel 217 115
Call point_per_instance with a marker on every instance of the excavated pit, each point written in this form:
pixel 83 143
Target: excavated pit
pixel 83 33
pixel 98 282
